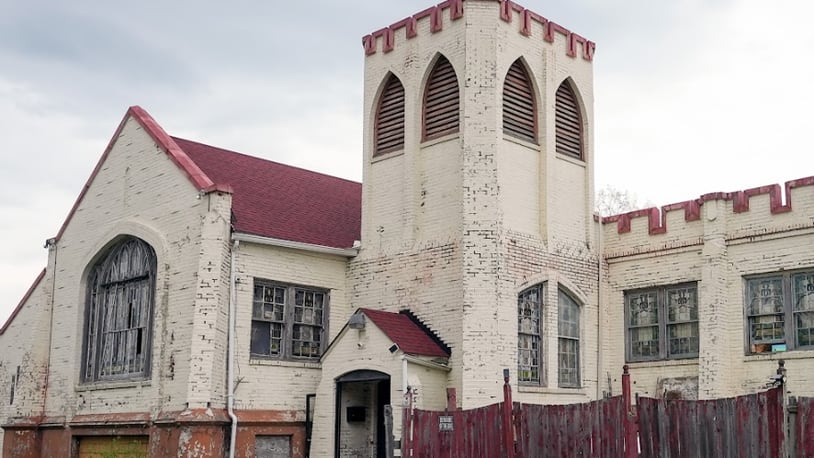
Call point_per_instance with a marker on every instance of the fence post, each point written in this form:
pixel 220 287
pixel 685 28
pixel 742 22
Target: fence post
pixel 785 445
pixel 631 443
pixel 407 423
pixel 508 428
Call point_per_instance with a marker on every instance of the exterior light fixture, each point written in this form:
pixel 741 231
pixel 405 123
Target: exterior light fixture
pixel 357 321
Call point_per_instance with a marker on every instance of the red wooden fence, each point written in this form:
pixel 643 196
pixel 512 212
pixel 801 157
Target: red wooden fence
pixel 593 429
pixel 805 427
pixel 744 426
pixel 750 426
pixel 475 433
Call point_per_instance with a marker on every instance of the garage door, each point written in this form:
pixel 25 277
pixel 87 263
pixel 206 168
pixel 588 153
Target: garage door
pixel 113 446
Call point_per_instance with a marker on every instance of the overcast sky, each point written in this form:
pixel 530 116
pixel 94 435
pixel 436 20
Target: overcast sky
pixel 691 96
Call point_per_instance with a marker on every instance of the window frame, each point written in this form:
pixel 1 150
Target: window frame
pixel 789 312
pixel 288 322
pixel 561 337
pixel 662 324
pixel 541 289
pixel 97 314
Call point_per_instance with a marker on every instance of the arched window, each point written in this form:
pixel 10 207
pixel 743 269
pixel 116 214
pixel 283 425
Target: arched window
pixel 519 110
pixel 530 335
pixel 568 340
pixel 119 313
pixel 390 117
pixel 441 101
pixel 568 122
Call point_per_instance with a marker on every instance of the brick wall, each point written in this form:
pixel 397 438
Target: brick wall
pixel 717 249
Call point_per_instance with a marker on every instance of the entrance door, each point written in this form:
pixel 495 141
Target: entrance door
pixel 360 418
pixel 113 446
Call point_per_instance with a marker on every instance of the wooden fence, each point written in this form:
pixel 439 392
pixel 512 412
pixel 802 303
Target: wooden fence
pixel 745 426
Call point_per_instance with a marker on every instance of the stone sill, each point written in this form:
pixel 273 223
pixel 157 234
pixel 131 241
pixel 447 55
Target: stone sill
pixel 279 363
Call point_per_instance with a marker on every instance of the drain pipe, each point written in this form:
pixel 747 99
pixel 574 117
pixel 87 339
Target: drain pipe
pixel 230 357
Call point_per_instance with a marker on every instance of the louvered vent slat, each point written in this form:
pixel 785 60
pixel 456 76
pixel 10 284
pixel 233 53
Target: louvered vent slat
pixel 441 101
pixel 390 118
pixel 568 122
pixel 519 112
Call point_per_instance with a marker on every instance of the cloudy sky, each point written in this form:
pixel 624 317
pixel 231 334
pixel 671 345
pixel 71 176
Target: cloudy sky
pixel 692 96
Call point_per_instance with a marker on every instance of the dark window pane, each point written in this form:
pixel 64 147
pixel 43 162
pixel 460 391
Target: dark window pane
pixel 260 338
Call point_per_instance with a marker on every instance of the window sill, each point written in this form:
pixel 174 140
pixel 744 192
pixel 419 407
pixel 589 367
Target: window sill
pixel 387 155
pixel 571 159
pixel 519 141
pixel 441 139
pixel 112 385
pixel 281 363
pixel 791 354
pixel 551 390
pixel 664 363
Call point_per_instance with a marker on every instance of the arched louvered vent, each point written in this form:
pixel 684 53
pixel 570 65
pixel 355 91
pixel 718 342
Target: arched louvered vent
pixel 390 117
pixel 441 101
pixel 519 113
pixel 568 122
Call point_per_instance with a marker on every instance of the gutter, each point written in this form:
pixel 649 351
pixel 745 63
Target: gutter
pixel 251 238
pixel 230 356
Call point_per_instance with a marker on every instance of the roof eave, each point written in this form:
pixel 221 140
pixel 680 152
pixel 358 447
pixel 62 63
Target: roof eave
pixel 283 243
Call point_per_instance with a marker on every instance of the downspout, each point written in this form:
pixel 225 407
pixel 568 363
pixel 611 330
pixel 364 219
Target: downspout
pixel 599 333
pixel 48 244
pixel 230 357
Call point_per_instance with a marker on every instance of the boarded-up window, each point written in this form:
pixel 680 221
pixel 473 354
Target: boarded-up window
pixel 529 335
pixel 272 446
pixel 441 101
pixel 568 122
pixel 519 112
pixel 119 313
pixel 568 341
pixel 113 446
pixel 288 322
pixel 390 117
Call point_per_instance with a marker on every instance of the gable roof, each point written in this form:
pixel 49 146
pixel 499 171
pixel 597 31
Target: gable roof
pixel 269 199
pixel 280 201
pixel 408 333
pixel 22 302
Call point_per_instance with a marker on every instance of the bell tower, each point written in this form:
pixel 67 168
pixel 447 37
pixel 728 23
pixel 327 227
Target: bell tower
pixel 478 184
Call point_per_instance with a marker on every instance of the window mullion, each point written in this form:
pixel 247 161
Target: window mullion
pixel 788 314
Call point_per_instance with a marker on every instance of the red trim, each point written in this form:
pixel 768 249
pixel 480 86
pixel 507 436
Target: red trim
pixel 657 220
pixel 456 11
pixel 22 301
pixel 178 156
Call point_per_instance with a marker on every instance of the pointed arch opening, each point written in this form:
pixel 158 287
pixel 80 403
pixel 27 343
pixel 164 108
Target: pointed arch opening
pixel 389 121
pixel 568 122
pixel 441 101
pixel 519 105
pixel 119 313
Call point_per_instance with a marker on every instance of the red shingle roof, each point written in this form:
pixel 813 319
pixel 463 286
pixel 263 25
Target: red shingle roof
pixel 280 201
pixel 407 334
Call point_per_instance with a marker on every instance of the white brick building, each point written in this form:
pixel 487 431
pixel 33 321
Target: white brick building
pixel 192 289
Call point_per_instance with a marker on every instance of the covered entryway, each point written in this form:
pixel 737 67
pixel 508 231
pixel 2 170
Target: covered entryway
pixel 361 396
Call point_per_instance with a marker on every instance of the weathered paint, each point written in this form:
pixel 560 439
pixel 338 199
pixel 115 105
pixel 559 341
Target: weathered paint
pixel 750 425
pixel 805 427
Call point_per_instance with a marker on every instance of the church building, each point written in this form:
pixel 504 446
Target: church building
pixel 201 302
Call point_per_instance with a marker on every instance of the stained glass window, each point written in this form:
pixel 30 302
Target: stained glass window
pixel 662 323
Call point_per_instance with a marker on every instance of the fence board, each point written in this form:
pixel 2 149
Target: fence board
pixel 592 429
pixel 476 432
pixel 805 427
pixel 750 425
